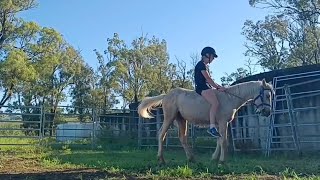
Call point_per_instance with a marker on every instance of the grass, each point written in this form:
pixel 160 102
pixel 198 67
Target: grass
pixel 142 162
pixel 121 156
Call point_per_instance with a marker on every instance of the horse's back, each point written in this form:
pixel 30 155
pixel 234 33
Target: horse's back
pixel 189 104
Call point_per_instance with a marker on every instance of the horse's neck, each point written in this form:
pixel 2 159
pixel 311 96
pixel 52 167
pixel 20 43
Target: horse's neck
pixel 244 93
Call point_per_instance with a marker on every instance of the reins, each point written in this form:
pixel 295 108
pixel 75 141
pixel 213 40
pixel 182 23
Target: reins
pixel 253 101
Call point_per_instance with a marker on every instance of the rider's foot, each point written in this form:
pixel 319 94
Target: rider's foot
pixel 213 132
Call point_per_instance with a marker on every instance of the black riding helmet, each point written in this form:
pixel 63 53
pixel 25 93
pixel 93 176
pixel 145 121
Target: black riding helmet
pixel 208 50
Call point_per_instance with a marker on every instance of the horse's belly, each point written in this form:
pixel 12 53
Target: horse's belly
pixel 198 115
pixel 193 107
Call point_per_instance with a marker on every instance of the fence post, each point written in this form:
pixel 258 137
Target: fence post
pixel 193 135
pixel 43 119
pixel 93 138
pixel 139 131
pixel 292 117
pixel 41 126
pixel 158 118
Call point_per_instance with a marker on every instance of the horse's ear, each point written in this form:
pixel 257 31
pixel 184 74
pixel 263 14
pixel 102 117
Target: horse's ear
pixel 264 82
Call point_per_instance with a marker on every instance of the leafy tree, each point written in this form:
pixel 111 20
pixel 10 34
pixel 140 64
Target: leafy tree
pixel 9 20
pixel 81 91
pixel 11 30
pixel 267 42
pixel 139 69
pixel 15 71
pixel 104 91
pixel 289 37
pixel 240 73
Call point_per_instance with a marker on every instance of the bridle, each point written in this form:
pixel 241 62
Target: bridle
pixel 261 96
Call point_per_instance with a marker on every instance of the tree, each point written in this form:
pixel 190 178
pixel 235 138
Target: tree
pixel 12 32
pixel 81 91
pixel 106 81
pixel 139 68
pixel 267 42
pixel 56 64
pixel 194 60
pixel 8 18
pixel 240 73
pixel 289 37
pixel 183 75
pixel 15 71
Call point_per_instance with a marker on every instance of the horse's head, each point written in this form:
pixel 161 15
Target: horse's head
pixel 263 100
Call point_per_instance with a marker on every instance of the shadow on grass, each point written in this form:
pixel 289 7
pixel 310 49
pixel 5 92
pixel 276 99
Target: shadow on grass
pixel 68 174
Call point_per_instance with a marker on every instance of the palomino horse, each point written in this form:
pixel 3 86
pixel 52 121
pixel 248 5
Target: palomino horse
pixel 185 105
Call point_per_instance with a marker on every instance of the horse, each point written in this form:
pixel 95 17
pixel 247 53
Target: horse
pixel 182 106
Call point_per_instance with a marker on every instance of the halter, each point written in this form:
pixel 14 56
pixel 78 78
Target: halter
pixel 261 96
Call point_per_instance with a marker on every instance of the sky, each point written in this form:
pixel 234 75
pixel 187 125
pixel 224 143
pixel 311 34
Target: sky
pixel 187 26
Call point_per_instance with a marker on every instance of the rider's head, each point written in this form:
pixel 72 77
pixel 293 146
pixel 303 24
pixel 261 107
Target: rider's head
pixel 208 54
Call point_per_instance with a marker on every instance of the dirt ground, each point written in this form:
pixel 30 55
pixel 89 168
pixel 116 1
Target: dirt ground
pixel 65 174
pixel 21 168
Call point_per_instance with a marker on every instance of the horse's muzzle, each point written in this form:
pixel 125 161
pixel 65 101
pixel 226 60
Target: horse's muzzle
pixel 266 112
pixel 263 111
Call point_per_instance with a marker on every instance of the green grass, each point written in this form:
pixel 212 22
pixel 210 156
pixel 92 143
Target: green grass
pixel 113 156
pixel 142 162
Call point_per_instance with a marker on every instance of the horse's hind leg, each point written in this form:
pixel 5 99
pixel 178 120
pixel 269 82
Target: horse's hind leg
pixel 183 134
pixel 169 116
pixel 216 154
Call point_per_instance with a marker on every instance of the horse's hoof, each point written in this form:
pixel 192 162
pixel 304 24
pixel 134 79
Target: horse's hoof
pixel 161 161
pixel 191 160
pixel 214 159
pixel 222 163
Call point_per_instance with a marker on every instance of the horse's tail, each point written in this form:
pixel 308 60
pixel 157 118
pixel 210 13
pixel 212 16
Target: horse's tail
pixel 149 103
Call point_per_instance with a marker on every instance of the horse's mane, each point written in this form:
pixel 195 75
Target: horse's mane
pixel 251 86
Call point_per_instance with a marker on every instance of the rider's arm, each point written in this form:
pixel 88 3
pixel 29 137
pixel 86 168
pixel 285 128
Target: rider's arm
pixel 209 79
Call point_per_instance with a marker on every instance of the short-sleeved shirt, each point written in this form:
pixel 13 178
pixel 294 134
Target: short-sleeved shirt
pixel 200 80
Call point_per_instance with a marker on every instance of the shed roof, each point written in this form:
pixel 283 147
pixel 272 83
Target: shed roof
pixel 280 72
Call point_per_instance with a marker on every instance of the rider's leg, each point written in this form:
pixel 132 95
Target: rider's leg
pixel 211 97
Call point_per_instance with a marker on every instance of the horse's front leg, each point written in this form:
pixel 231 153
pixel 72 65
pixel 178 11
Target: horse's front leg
pixel 223 141
pixel 215 155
